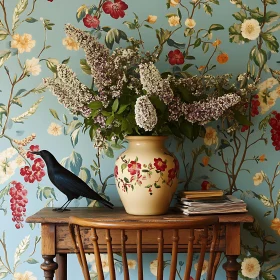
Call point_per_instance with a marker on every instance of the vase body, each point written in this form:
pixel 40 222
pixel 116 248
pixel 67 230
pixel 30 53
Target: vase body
pixel 146 176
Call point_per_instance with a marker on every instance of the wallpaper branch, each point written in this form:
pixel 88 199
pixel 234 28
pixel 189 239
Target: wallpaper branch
pixel 221 47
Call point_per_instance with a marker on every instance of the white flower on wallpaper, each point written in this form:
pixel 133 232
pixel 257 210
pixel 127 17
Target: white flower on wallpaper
pixel 250 29
pixel 153 267
pixel 27 275
pixel 8 166
pixel 55 129
pixel 258 178
pixel 250 267
pixel 204 267
pixel 23 43
pixel 211 137
pixel 131 264
pixel 190 23
pixel 33 67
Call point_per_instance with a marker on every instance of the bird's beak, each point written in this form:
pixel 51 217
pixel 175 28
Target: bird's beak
pixel 36 153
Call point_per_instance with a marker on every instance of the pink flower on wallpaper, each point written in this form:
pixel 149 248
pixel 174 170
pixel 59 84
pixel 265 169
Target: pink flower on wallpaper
pixel 116 9
pixel 134 167
pixel 160 164
pixel 175 57
pixel 91 21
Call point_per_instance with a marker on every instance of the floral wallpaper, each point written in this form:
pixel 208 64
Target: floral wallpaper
pixel 197 37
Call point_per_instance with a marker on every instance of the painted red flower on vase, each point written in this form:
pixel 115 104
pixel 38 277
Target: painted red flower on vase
pixel 176 57
pixel 116 171
pixel 176 162
pixel 171 174
pixel 116 9
pixel 134 167
pixel 91 21
pixel 160 164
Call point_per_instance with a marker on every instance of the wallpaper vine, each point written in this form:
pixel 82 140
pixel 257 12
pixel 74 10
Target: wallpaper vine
pixel 197 37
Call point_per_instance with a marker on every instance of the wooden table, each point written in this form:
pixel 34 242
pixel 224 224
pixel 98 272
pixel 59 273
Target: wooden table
pixel 56 241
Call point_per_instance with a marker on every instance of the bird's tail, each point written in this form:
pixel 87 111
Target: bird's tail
pixel 106 203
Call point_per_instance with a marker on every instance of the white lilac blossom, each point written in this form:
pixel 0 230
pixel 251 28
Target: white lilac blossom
pixel 70 91
pixel 210 109
pixel 145 113
pixel 153 83
pixel 107 71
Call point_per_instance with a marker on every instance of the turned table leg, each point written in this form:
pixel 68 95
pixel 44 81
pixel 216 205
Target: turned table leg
pixel 49 266
pixel 231 267
pixel 61 272
pixel 232 250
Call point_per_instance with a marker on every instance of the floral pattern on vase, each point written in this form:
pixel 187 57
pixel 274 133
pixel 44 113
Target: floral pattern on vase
pixel 146 176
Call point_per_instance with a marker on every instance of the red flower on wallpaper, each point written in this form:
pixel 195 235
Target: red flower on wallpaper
pixel 116 9
pixel 50 0
pixel 176 57
pixel 18 203
pixel 134 167
pixel 160 164
pixel 205 185
pixel 33 148
pixel 91 21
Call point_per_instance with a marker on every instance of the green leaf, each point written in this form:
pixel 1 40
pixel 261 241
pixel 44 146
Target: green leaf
pixel 75 124
pixel 110 120
pixel 186 66
pixel 75 137
pixel 260 57
pixel 95 105
pixel 241 15
pixel 163 35
pixel 207 9
pixel 31 20
pixel 4 55
pixel 189 32
pixel 242 119
pixel 268 276
pixel 112 36
pixel 274 28
pixel 85 175
pixel 22 247
pixel 205 47
pixel 189 130
pixel 54 113
pixel 73 162
pixel 270 239
pixel 197 43
pixel 115 105
pixel 3 35
pixel 31 261
pixel 273 267
pixel 123 167
pixel 85 67
pixel 109 152
pixel 271 16
pixel 122 108
pixel 65 61
pixel 130 25
pixel 19 9
pixel 174 44
pixel 215 27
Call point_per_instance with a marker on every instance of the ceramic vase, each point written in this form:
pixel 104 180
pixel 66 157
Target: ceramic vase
pixel 146 176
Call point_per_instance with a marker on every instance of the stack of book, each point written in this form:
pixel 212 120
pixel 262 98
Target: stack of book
pixel 209 202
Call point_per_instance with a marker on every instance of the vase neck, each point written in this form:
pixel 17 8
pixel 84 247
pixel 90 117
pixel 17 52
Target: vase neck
pixel 143 142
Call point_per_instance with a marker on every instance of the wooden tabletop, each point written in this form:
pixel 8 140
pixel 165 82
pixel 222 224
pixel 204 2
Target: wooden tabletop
pixel 46 215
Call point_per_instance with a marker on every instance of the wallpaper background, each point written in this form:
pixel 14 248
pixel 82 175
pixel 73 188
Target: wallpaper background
pixel 31 116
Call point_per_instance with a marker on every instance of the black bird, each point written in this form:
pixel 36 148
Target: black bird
pixel 67 182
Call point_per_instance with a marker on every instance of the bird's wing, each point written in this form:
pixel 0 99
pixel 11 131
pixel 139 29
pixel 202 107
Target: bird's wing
pixel 71 184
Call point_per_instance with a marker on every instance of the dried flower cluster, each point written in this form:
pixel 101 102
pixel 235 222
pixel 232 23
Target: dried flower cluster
pixel 131 97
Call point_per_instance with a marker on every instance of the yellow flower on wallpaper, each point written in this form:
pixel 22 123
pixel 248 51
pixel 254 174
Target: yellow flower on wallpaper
pixel 32 66
pixel 151 19
pixel 174 3
pixel 27 275
pixel 210 137
pixel 70 44
pixel 55 129
pixel 205 160
pixel 262 158
pixel 258 178
pixel 23 43
pixel 267 84
pixel 190 23
pixel 174 20
pixel 275 225
pixel 204 267
pixel 131 264
pixel 216 43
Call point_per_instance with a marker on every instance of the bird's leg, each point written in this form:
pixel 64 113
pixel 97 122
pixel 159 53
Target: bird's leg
pixel 61 208
pixel 64 209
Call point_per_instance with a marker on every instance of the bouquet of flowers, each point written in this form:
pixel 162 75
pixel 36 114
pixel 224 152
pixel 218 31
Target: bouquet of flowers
pixel 129 96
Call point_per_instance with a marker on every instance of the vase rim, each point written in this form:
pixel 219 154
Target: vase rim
pixel 139 137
